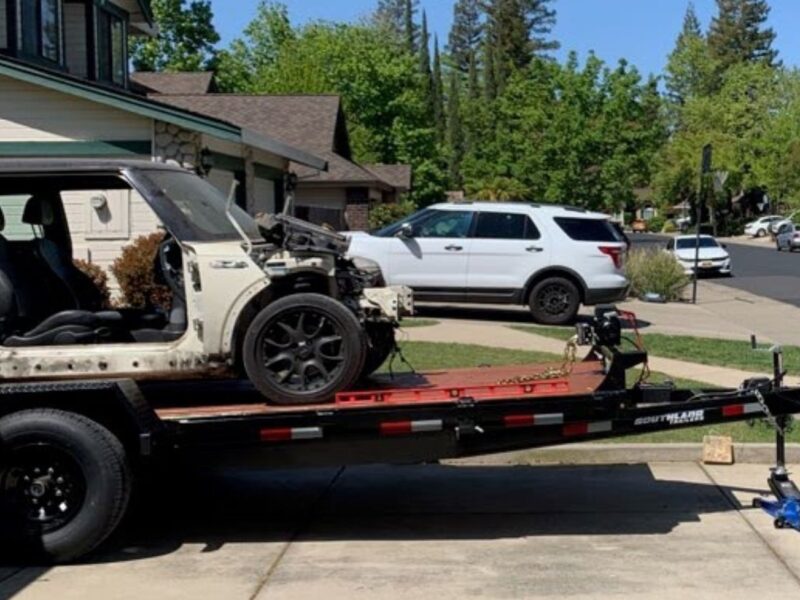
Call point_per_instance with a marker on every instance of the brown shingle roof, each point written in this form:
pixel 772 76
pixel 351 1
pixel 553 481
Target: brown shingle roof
pixel 397 176
pixel 173 83
pixel 306 122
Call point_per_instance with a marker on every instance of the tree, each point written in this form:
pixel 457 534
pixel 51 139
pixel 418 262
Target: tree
pixel 438 93
pixel 397 16
pixel 428 91
pixel 489 71
pixel 737 33
pixel 455 131
pixel 473 83
pixel 185 41
pixel 409 27
pixel 690 69
pixel 465 34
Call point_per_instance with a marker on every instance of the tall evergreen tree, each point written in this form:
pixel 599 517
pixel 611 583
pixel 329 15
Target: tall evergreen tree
pixel 690 69
pixel 489 70
pixel 473 84
pixel 466 33
pixel 738 33
pixel 428 92
pixel 455 131
pixel 398 17
pixel 540 20
pixel 438 93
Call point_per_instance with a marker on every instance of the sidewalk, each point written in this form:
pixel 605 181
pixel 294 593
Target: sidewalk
pixel 498 335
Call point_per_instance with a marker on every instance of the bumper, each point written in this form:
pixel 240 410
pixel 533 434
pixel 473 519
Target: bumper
pixel 605 295
pixel 724 269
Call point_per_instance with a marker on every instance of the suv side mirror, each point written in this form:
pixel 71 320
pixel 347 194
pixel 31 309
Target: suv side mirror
pixel 406 231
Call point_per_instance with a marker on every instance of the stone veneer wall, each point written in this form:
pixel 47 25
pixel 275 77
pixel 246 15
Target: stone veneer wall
pixel 175 145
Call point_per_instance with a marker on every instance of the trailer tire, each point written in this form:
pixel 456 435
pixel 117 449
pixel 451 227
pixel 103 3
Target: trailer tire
pixel 277 337
pixel 69 469
pixel 380 343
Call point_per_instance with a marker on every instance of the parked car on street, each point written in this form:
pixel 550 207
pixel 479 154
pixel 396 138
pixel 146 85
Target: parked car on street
pixel 761 226
pixel 793 218
pixel 713 258
pixel 550 258
pixel 788 237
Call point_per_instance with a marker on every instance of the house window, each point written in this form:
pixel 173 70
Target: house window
pixel 111 46
pixel 40 29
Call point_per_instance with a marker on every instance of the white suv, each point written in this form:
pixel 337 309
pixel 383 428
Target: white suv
pixel 552 258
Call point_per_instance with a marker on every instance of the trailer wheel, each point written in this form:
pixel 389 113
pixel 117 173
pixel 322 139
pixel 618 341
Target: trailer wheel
pixel 303 349
pixel 64 484
pixel 380 343
pixel 554 301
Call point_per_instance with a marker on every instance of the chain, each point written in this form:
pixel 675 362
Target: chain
pixel 769 416
pixel 568 362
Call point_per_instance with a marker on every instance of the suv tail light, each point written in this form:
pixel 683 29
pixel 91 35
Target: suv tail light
pixel 615 253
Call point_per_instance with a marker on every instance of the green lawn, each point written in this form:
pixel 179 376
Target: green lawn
pixel 410 322
pixel 707 351
pixel 427 356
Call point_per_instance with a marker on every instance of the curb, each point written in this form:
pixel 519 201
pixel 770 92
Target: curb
pixel 590 454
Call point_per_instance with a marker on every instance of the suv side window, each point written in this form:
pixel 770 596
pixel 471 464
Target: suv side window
pixel 588 230
pixel 15 229
pixel 505 226
pixel 444 224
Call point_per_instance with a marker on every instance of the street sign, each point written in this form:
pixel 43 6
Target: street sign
pixel 720 177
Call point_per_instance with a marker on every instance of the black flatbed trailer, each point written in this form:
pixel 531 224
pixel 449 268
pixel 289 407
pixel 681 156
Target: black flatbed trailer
pixel 69 450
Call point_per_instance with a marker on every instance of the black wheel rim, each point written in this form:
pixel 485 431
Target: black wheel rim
pixel 302 350
pixel 554 299
pixel 44 484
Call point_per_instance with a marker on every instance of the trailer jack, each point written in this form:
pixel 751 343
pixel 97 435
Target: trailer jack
pixel 785 509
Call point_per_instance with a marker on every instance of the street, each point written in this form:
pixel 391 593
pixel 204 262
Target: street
pixel 762 271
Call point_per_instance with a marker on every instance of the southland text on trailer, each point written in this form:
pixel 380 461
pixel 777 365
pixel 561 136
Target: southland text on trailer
pixel 71 448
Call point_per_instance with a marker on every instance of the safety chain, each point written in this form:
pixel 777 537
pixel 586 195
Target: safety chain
pixel 567 364
pixel 769 416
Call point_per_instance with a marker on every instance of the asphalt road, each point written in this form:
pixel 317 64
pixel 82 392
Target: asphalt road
pixel 761 271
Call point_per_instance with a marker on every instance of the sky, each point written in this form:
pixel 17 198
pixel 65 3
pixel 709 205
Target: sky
pixel 641 31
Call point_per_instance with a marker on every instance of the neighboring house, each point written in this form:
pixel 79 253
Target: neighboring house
pixel 65 91
pixel 341 196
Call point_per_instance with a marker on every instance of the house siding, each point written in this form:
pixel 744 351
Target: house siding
pixel 75 39
pixel 33 114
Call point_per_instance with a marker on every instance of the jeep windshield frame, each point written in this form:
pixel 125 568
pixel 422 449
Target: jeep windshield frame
pixel 190 207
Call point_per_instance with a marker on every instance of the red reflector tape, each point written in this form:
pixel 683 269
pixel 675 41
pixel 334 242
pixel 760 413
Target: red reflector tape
pixel 282 434
pixel 584 428
pixel 733 410
pixel 405 427
pixel 531 420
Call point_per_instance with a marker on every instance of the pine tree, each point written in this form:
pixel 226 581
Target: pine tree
pixel 737 34
pixel 541 20
pixel 398 17
pixel 489 71
pixel 409 27
pixel 473 85
pixel 425 68
pixel 455 131
pixel 690 71
pixel 466 33
pixel 438 93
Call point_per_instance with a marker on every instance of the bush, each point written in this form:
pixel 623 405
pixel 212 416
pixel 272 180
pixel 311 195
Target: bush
pixel 381 215
pixel 669 227
pixel 656 271
pixel 135 275
pixel 656 224
pixel 99 278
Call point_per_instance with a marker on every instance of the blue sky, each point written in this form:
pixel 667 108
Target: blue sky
pixel 643 31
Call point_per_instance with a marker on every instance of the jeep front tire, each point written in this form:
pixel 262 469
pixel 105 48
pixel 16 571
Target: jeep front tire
pixel 303 349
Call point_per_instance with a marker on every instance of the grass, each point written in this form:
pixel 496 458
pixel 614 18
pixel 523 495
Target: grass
pixel 410 322
pixel 429 356
pixel 707 351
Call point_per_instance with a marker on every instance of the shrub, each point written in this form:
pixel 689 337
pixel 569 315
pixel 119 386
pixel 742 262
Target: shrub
pixel 99 278
pixel 656 271
pixel 669 227
pixel 135 274
pixel 381 215
pixel 656 224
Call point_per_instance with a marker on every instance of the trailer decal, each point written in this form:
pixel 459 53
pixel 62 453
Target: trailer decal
pixel 676 418
pixel 406 427
pixel 282 434
pixel 531 420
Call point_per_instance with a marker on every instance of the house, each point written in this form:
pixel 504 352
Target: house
pixel 340 196
pixel 66 91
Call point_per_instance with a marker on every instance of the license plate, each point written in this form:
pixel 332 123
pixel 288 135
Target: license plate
pixel 706 264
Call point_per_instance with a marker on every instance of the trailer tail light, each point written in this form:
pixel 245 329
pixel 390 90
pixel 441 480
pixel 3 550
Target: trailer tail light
pixel 615 253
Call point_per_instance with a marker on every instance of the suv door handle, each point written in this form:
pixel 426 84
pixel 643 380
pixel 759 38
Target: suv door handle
pixel 534 249
pixel 453 248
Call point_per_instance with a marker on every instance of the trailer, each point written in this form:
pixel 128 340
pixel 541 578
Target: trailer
pixel 71 451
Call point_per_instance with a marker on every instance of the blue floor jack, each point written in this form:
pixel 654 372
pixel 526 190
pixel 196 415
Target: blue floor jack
pixel 785 509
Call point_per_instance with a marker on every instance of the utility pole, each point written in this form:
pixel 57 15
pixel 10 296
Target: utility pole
pixel 705 169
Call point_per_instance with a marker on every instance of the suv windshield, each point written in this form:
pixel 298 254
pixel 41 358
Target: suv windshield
pixel 391 230
pixel 201 205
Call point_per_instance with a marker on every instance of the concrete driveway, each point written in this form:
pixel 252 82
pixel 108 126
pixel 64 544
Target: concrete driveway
pixel 475 529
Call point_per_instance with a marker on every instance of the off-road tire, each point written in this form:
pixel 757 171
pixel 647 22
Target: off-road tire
pixel 554 301
pixel 339 318
pixel 97 465
pixel 380 343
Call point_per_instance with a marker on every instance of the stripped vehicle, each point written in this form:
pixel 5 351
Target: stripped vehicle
pixel 275 300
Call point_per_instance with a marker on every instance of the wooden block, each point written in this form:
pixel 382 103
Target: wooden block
pixel 717 450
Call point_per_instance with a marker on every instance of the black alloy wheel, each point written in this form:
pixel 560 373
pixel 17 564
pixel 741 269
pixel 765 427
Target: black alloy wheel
pixel 303 349
pixel 554 301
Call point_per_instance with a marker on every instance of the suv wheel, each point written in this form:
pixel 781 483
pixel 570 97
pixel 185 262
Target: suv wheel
pixel 303 349
pixel 554 301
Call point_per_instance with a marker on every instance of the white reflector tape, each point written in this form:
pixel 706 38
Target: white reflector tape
pixel 752 407
pixel 421 426
pixel 549 419
pixel 598 426
pixel 306 433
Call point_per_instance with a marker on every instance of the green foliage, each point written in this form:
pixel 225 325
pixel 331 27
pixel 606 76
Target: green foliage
pixel 737 34
pixel 656 224
pixel 655 271
pixel 381 215
pixel 465 34
pixel 185 41
pixel 134 272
